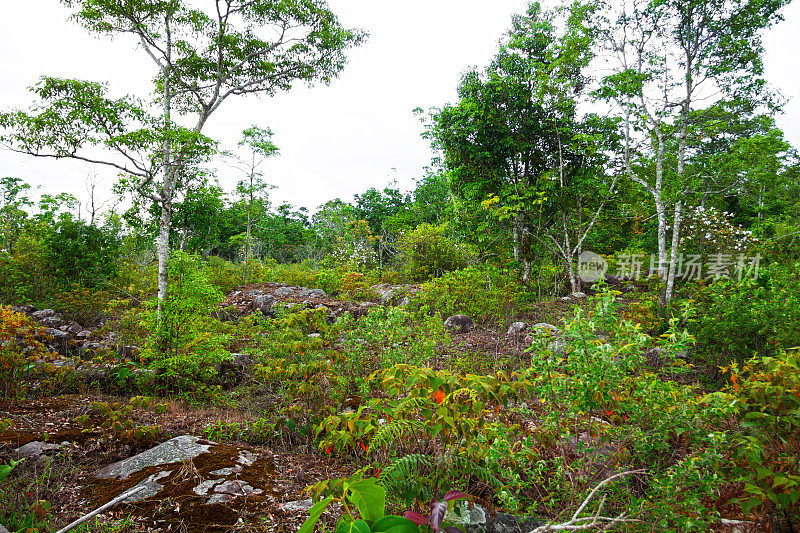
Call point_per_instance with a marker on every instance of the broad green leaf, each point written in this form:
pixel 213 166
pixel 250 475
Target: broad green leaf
pixel 368 497
pixel 394 524
pixel 314 514
pixel 352 526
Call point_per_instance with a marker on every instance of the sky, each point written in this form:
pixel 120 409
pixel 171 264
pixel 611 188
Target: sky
pixel 335 140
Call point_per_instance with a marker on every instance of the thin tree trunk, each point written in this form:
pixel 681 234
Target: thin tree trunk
pixel 165 221
pixel 673 260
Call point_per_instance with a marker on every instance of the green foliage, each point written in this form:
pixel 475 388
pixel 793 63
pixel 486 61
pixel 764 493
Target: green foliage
pixel 366 496
pixel 187 342
pixel 5 469
pixel 766 393
pixel 748 317
pixel 79 253
pixel 429 253
pixel 487 294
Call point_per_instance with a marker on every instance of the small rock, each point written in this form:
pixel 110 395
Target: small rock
pixel 220 498
pixel 3 529
pixel 52 321
pixel 247 458
pixel 236 487
pixel 205 486
pixel 44 313
pixel 34 449
pixel 566 299
pixel 517 329
pixel 578 295
pixel 314 335
pixel 27 309
pixel 55 333
pixel 84 334
pixel 459 324
pixel 544 327
pixel 295 506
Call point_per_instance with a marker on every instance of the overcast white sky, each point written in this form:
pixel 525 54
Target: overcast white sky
pixel 335 141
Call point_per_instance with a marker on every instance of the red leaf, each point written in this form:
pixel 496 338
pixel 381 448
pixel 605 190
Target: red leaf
pixel 438 396
pixel 417 518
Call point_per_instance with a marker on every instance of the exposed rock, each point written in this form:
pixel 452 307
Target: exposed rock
pixel 578 295
pixel 83 334
pixel 263 303
pixel 296 506
pixel 52 321
pixel 284 291
pixel 35 449
pixel 312 293
pixel 459 324
pixel 3 529
pixel 152 487
pixel 44 313
pixel 236 487
pixel 517 330
pixel 27 309
pixel 558 347
pixel 544 327
pixel 566 299
pixel 479 520
pixel 177 450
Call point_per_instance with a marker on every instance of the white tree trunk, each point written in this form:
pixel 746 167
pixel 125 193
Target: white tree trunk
pixel 168 190
pixel 673 259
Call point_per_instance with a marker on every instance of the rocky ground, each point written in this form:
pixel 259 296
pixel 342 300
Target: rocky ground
pixel 189 482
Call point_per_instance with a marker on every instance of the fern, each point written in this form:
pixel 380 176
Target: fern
pixel 393 430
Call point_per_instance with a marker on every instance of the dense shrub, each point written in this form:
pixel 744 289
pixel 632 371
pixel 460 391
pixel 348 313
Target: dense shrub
pixel 429 253
pixel 80 253
pixel 486 294
pixel 739 319
pixel 188 342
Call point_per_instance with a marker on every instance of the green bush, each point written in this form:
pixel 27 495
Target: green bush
pixel 740 319
pixel 187 343
pixel 429 253
pixel 487 294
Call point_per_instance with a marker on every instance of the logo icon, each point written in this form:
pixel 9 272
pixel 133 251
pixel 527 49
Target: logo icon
pixel 591 267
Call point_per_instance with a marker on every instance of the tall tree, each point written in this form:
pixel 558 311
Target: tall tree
pixel 258 142
pixel 668 57
pixel 202 58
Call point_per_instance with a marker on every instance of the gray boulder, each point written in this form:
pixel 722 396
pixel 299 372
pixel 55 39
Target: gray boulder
pixel 312 293
pixel 545 328
pixel 459 324
pixel 34 450
pixel 284 291
pixel 578 295
pixel 44 313
pixel 3 529
pixel 177 450
pixel 27 309
pixel 263 303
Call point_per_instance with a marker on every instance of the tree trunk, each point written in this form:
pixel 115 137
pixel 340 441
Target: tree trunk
pixel 673 259
pixel 165 221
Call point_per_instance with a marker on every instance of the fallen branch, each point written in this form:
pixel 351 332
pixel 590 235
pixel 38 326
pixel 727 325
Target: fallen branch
pixel 575 523
pixel 121 497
